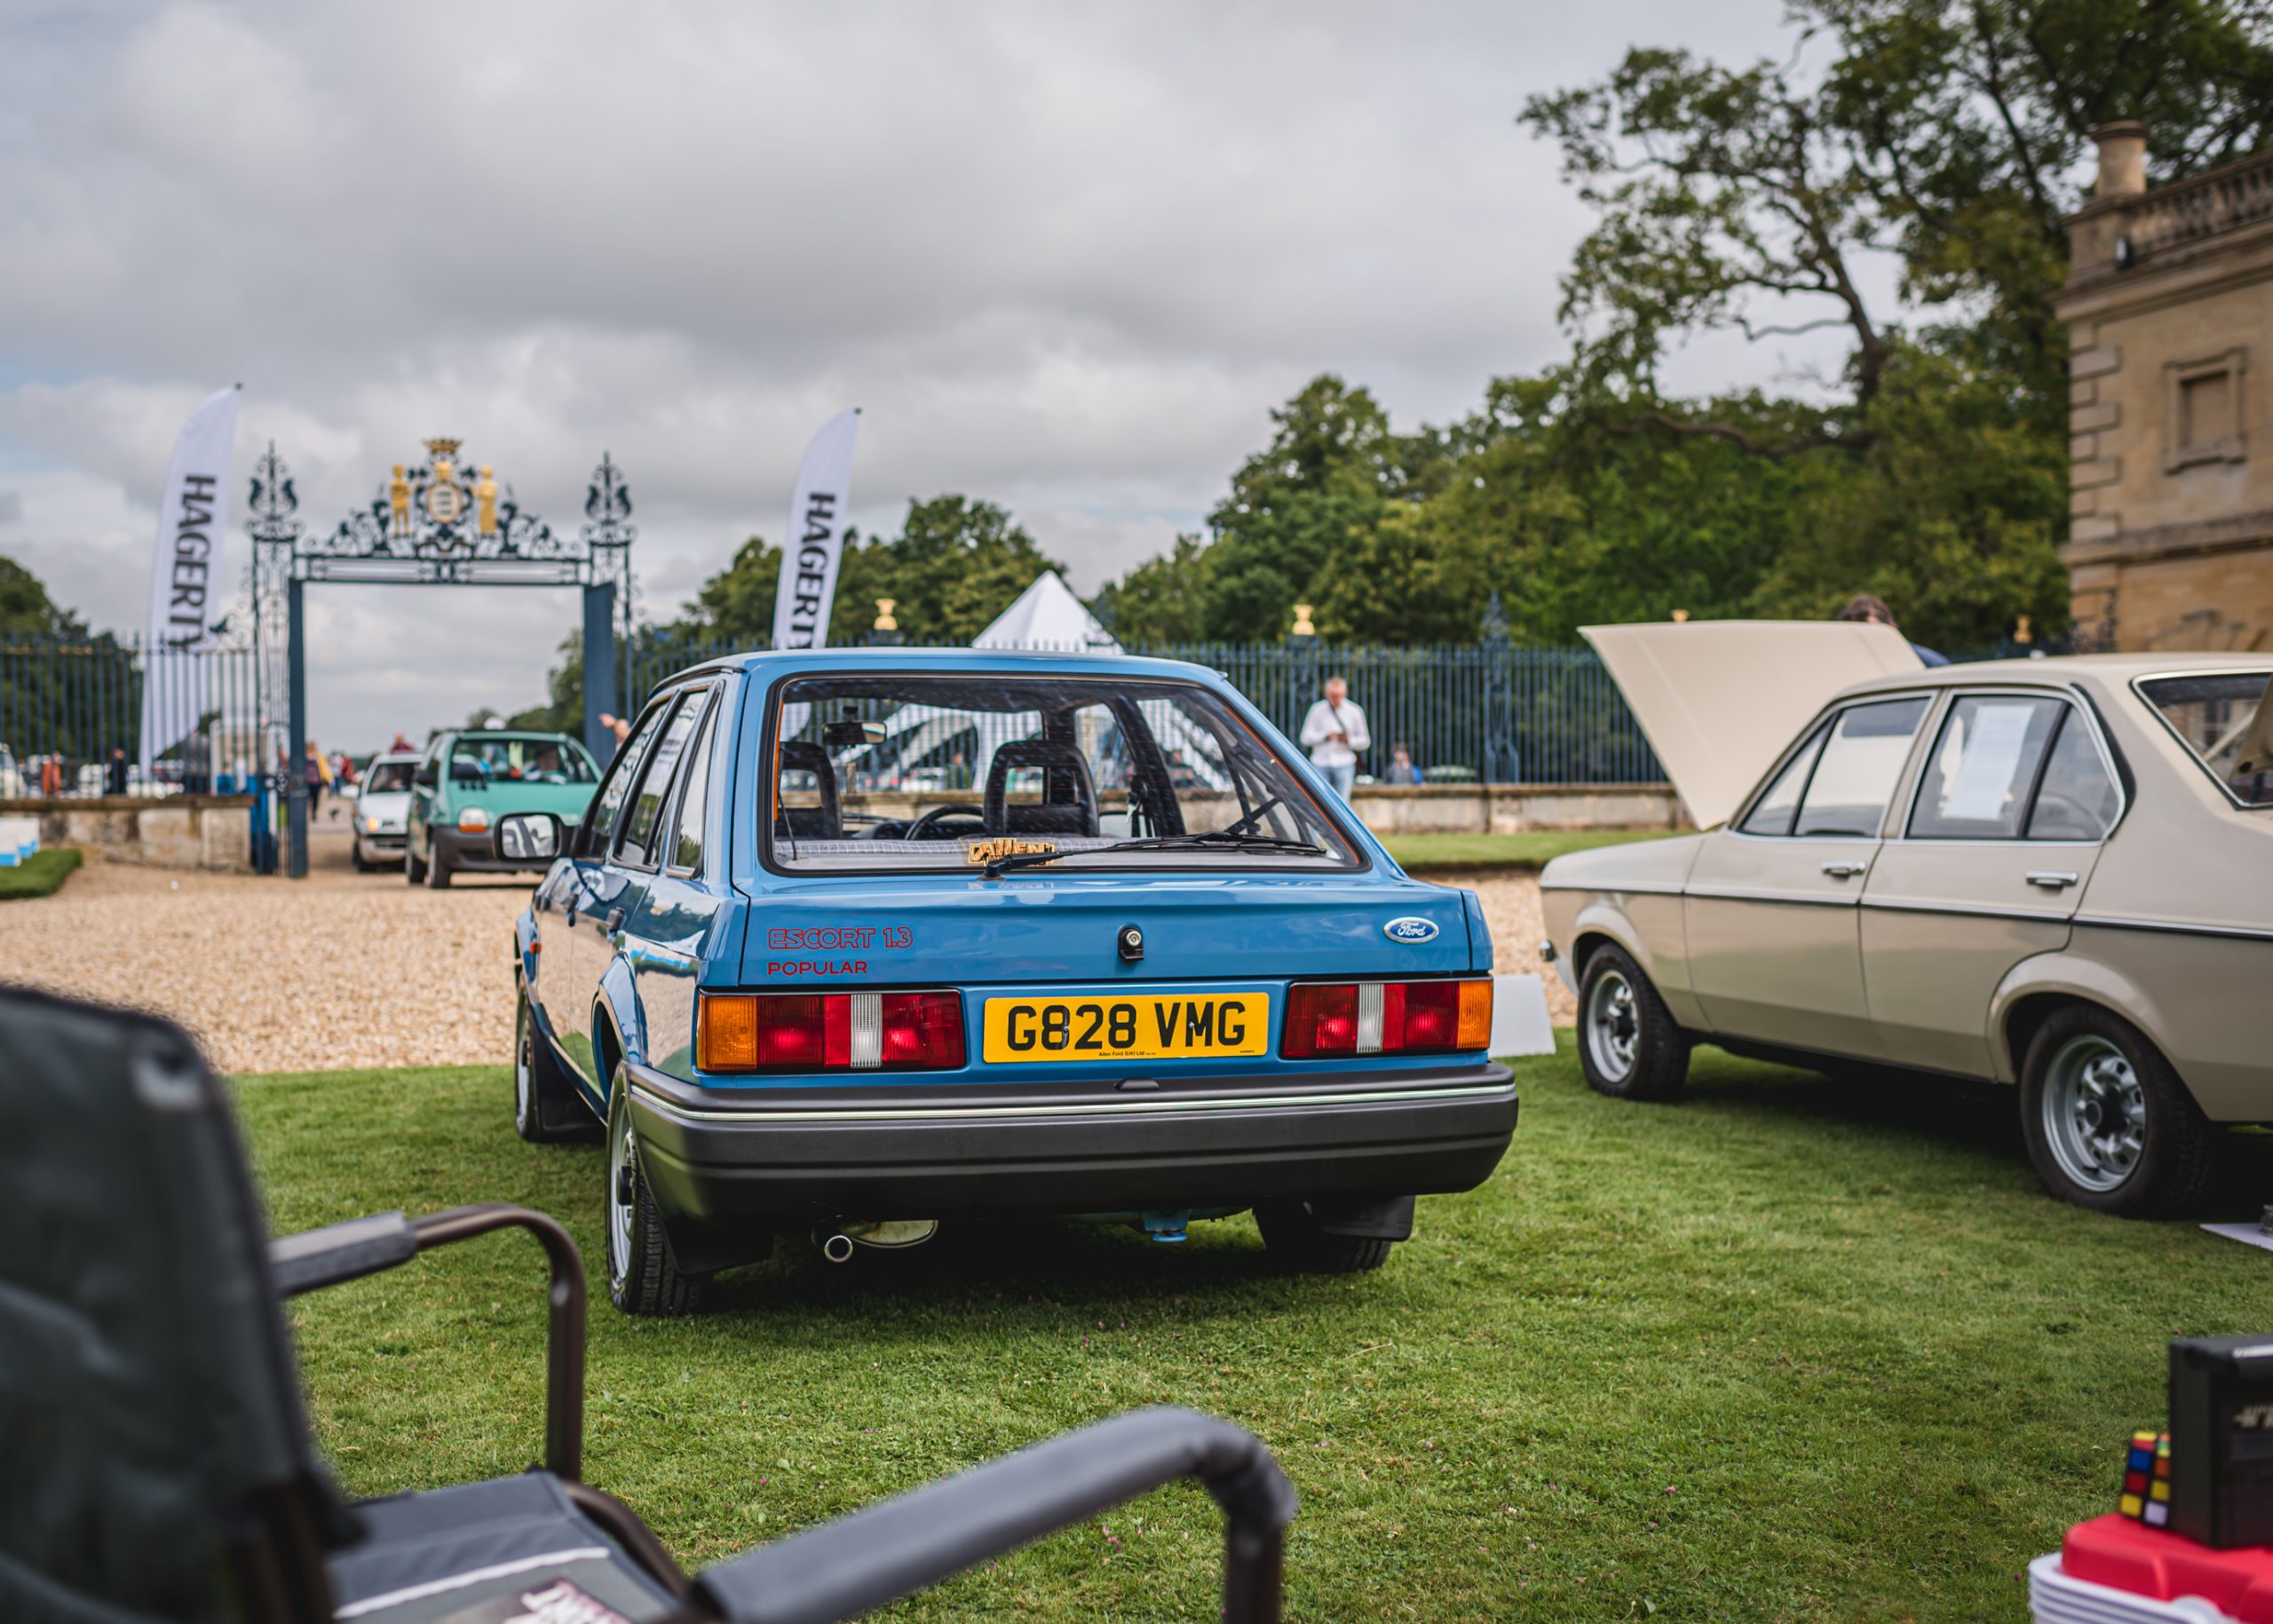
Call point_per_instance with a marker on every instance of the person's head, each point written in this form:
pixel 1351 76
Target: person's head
pixel 1336 690
pixel 1867 608
pixel 1401 752
pixel 118 752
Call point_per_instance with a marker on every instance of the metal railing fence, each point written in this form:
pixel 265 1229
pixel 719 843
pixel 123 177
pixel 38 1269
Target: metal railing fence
pixel 67 705
pixel 1497 713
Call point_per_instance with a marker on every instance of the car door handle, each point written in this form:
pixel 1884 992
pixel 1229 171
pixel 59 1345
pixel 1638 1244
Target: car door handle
pixel 2051 879
pixel 1842 871
pixel 614 920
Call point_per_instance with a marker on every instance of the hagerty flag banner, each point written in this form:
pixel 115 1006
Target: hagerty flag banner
pixel 815 542
pixel 186 576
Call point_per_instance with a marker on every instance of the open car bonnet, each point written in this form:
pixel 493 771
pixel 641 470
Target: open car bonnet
pixel 1718 700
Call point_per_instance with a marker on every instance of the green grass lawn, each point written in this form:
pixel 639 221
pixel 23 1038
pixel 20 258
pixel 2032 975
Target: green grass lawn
pixel 40 874
pixel 1788 1349
pixel 1525 853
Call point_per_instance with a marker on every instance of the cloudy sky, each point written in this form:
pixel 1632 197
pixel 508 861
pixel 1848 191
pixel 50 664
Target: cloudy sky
pixel 1065 258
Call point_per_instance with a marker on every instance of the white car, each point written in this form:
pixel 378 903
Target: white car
pixel 382 805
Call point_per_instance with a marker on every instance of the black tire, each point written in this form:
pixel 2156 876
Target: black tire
pixel 1628 1044
pixel 642 1277
pixel 414 867
pixel 355 855
pixel 438 872
pixel 547 1109
pixel 2107 1121
pixel 1292 1233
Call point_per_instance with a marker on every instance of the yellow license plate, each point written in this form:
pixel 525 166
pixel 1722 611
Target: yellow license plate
pixel 1148 1027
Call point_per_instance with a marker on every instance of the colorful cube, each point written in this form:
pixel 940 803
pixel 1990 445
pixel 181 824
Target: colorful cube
pixel 2146 1480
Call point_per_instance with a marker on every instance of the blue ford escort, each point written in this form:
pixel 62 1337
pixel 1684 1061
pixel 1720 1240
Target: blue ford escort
pixel 851 940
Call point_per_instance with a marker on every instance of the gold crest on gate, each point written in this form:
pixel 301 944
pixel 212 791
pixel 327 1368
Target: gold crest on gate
pixel 982 852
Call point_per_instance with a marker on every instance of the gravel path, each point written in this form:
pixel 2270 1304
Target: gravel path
pixel 338 970
pixel 349 969
pixel 1511 908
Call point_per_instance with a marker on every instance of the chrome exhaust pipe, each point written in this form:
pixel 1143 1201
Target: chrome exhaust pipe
pixel 836 1249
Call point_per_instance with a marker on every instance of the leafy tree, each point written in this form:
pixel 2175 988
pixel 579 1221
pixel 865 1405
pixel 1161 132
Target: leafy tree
pixel 1948 132
pixel 1298 509
pixel 26 611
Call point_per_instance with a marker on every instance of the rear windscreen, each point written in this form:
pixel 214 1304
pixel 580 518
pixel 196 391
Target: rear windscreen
pixel 935 770
pixel 2225 720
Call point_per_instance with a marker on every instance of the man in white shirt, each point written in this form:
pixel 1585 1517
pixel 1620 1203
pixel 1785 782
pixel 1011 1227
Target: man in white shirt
pixel 1334 732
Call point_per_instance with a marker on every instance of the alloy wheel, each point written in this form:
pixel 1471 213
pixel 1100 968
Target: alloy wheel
pixel 2095 1113
pixel 622 1194
pixel 1613 1025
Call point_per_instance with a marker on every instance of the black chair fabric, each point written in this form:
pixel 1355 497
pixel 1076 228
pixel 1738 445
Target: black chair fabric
pixel 1069 795
pixel 148 1397
pixel 429 1556
pixel 822 822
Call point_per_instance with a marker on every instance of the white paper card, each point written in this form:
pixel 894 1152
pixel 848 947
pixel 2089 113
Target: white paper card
pixel 2248 1234
pixel 1992 762
pixel 1519 1023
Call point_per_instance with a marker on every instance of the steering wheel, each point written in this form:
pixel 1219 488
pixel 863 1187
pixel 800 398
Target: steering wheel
pixel 920 829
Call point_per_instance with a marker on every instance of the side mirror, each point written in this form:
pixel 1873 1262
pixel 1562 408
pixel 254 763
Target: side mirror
pixel 527 837
pixel 424 777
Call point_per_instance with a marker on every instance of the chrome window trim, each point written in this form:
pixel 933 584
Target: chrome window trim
pixel 670 808
pixel 2192 755
pixel 2062 692
pixel 1931 695
pixel 951 1112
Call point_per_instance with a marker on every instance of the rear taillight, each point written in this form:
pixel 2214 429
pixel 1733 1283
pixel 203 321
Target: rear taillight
pixel 829 1031
pixel 1385 1018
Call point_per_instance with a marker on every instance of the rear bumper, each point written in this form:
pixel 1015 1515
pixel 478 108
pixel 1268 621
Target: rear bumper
pixel 717 1156
pixel 477 853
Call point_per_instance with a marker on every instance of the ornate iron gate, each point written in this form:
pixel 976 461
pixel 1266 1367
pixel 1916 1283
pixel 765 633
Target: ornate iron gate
pixel 428 524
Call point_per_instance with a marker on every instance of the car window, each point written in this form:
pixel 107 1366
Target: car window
pixel 518 758
pixel 1772 814
pixel 609 805
pixel 388 777
pixel 686 847
pixel 933 771
pixel 2077 798
pixel 1977 781
pixel 637 841
pixel 1855 775
pixel 2226 719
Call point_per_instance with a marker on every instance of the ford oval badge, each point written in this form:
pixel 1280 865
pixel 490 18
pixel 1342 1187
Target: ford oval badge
pixel 1411 930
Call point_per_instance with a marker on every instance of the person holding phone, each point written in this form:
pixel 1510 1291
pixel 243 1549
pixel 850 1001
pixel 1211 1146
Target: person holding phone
pixel 1334 734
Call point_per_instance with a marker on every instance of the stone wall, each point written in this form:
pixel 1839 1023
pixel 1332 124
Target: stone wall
pixel 182 831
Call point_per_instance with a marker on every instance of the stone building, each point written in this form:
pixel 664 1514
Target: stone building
pixel 2169 307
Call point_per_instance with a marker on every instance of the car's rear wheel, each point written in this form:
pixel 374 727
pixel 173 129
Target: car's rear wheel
pixel 2108 1123
pixel 1293 1234
pixel 546 1107
pixel 642 1279
pixel 1629 1046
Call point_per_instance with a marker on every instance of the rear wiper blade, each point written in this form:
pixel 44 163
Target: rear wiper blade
pixel 1206 840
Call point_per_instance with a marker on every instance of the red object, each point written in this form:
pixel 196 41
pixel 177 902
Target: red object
pixel 924 1030
pixel 1320 1020
pixel 1417 1017
pixel 813 1032
pixel 2123 1555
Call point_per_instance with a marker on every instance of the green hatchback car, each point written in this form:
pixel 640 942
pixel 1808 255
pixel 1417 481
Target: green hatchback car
pixel 470 778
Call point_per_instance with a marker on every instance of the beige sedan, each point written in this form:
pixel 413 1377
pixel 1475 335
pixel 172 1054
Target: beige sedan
pixel 2051 873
